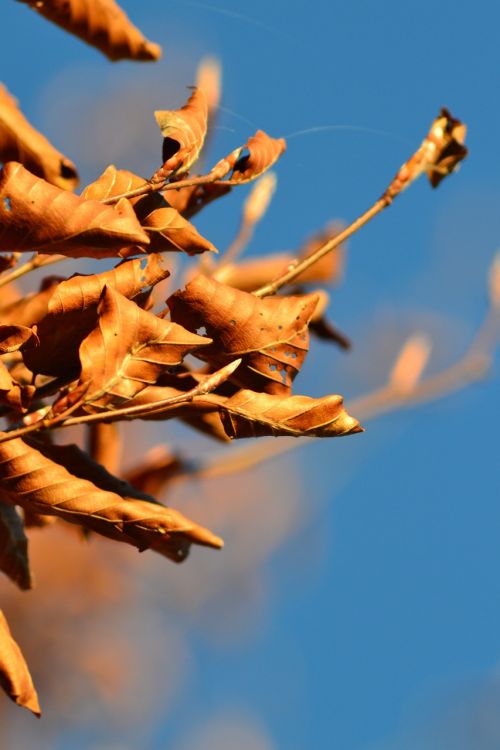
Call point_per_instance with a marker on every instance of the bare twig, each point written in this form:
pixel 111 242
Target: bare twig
pixel 36 261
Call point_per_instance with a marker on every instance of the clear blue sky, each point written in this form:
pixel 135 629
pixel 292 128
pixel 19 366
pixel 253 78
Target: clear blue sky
pixel 382 618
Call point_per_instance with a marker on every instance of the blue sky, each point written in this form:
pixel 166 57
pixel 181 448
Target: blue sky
pixel 380 625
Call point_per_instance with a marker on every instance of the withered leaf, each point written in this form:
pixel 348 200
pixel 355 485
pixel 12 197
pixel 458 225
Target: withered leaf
pixel 19 141
pixel 190 200
pixel 263 152
pixel 14 337
pixel 249 414
pixel 72 312
pixel 161 218
pixel 439 154
pixel 112 182
pixel 159 467
pixel 100 23
pixel 128 351
pixel 36 482
pixel 184 132
pixel 16 395
pixel 269 334
pixel 168 229
pixel 14 547
pixel 35 215
pixel 14 673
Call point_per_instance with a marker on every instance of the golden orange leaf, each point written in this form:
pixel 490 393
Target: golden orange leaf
pixel 19 141
pixel 14 673
pixel 128 351
pixel 38 483
pixel 263 152
pixel 168 229
pixel 35 215
pixel 14 337
pixel 249 414
pixel 184 132
pixel 270 335
pixel 72 311
pixel 16 395
pixel 100 23
pixel 112 182
pixel 190 200
pixel 14 547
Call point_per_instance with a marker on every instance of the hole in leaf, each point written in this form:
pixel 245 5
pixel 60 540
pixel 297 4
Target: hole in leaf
pixel 201 331
pixel 7 204
pixel 273 367
pixel 233 322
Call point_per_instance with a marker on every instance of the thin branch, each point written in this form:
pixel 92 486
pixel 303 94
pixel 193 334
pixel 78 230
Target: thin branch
pixel 208 384
pixel 36 261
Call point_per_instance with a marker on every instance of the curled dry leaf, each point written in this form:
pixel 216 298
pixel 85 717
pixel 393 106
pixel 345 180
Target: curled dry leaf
pixel 36 482
pixel 159 467
pixel 19 141
pixel 249 414
pixel 14 547
pixel 270 334
pixel 439 154
pixel 72 312
pixel 14 337
pixel 263 152
pixel 184 132
pixel 168 229
pixel 14 673
pixel 100 23
pixel 128 351
pixel 35 215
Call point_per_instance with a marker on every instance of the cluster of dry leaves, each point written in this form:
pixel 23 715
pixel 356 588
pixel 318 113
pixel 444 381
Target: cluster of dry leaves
pixel 94 349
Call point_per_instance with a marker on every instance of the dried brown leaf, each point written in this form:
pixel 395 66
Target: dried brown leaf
pixel 168 229
pixel 21 142
pixel 190 200
pixel 31 308
pixel 14 673
pixel 263 152
pixel 14 547
pixel 270 335
pixel 128 351
pixel 36 482
pixel 35 215
pixel 184 132
pixel 249 414
pixel 100 23
pixel 72 312
pixel 15 395
pixel 112 182
pixel 439 154
pixel 14 337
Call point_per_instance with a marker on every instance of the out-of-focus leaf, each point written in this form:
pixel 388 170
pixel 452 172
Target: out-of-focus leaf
pixel 14 673
pixel 19 141
pixel 72 312
pixel 158 468
pixel 271 334
pixel 190 200
pixel 35 215
pixel 14 337
pixel 31 308
pixel 168 229
pixel 128 351
pixel 184 132
pixel 15 395
pixel 100 23
pixel 14 547
pixel 34 481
